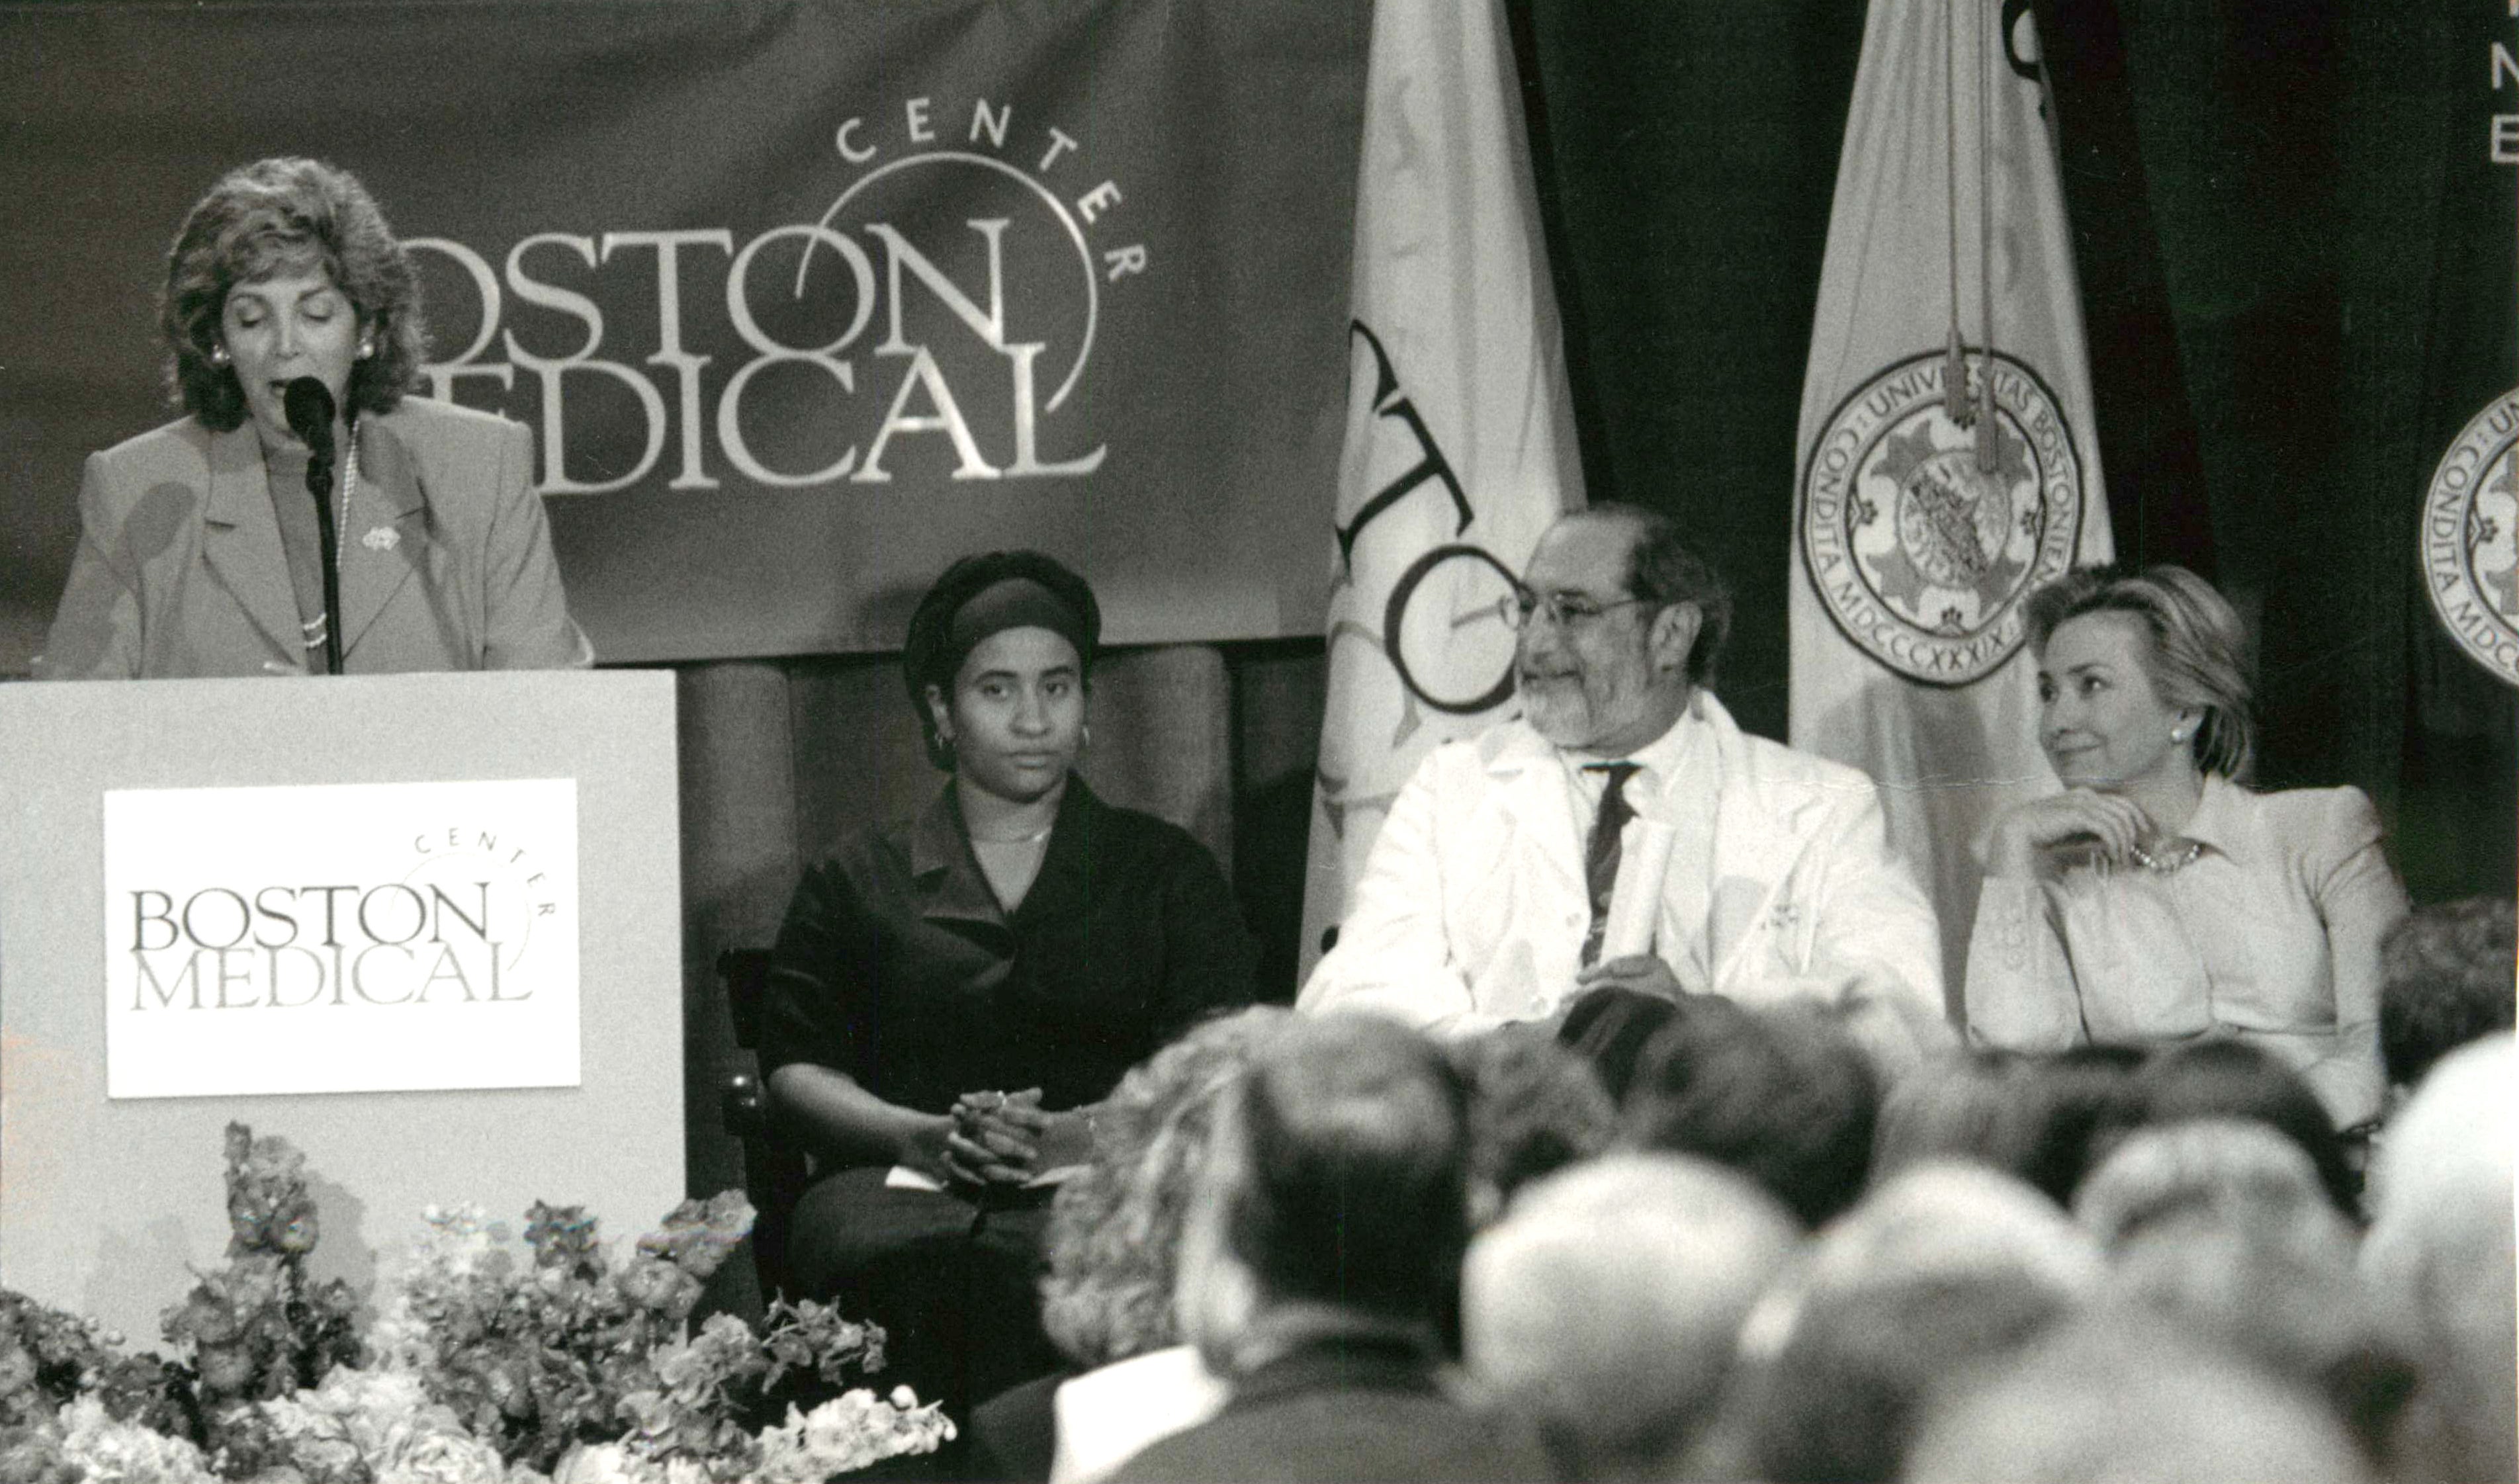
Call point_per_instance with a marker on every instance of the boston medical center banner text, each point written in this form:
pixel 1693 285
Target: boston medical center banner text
pixel 802 300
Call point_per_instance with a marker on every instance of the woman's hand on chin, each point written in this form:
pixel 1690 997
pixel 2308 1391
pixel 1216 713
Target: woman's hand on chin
pixel 2112 822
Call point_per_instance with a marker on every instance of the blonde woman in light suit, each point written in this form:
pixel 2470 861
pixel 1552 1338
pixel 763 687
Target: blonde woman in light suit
pixel 2157 899
pixel 200 548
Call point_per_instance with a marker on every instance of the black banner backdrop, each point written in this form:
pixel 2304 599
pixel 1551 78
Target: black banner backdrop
pixel 802 298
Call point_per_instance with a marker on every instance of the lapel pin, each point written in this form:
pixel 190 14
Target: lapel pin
pixel 381 539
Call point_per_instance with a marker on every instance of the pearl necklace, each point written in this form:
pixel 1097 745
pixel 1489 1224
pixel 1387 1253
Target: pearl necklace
pixel 2168 862
pixel 313 632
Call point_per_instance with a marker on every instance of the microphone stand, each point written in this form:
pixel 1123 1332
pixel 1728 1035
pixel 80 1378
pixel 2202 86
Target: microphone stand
pixel 318 483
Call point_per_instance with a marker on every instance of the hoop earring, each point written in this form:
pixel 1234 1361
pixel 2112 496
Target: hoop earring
pixel 1084 736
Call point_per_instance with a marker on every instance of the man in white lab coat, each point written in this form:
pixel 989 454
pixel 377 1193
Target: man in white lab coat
pixel 1484 895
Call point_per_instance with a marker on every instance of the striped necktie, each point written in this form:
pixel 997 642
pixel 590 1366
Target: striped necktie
pixel 1601 851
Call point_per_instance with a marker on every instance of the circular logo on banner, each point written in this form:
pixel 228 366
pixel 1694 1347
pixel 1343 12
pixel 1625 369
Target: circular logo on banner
pixel 2471 538
pixel 1919 554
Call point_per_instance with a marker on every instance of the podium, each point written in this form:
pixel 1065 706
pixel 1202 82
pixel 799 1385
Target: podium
pixel 426 927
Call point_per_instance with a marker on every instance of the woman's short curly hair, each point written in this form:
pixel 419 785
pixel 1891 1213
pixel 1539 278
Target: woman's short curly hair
pixel 2198 648
pixel 287 215
pixel 1115 1226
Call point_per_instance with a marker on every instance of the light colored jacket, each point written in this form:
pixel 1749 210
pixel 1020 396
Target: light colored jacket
pixel 2271 936
pixel 1473 908
pixel 446 559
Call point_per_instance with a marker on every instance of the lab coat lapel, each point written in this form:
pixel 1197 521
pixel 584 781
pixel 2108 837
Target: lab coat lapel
pixel 1532 796
pixel 1759 840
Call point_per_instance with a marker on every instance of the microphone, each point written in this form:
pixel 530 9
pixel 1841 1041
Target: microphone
pixel 307 404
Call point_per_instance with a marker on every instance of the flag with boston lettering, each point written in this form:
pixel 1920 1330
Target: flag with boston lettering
pixel 1948 462
pixel 1460 446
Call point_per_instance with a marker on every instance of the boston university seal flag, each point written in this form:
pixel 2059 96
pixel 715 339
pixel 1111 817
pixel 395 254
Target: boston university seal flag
pixel 2470 541
pixel 1948 462
pixel 1460 445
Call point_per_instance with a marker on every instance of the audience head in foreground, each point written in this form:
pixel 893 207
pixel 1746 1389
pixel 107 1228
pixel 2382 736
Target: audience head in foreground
pixel 2235 1174
pixel 1535 1107
pixel 1318 1266
pixel 1605 1305
pixel 2440 1260
pixel 1115 1227
pixel 2235 1079
pixel 2448 973
pixel 1781 1095
pixel 2224 1226
pixel 2129 1397
pixel 1113 1244
pixel 1946 1270
pixel 1336 1197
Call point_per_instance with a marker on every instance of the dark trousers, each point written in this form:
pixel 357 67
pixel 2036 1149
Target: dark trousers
pixel 954 1282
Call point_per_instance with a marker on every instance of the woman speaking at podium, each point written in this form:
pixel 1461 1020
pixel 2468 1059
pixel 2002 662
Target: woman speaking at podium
pixel 293 336
pixel 951 996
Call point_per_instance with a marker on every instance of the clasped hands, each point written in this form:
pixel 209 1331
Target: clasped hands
pixel 1004 1139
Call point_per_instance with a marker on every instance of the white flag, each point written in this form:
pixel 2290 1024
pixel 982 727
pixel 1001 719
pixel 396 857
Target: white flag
pixel 1921 521
pixel 1460 445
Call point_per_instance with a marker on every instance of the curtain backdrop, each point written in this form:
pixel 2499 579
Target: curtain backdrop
pixel 2296 254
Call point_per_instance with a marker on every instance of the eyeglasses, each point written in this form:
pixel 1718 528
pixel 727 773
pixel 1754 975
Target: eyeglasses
pixel 1570 610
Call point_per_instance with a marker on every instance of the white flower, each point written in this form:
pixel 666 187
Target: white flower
pixel 612 1463
pixel 443 1457
pixel 601 1463
pixel 122 1453
pixel 848 1432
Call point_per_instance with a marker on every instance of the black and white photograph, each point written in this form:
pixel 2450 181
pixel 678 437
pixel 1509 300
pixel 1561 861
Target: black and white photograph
pixel 1150 741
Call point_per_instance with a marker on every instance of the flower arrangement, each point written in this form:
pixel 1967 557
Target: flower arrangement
pixel 562 1364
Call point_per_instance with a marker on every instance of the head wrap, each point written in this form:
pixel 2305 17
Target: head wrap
pixel 1013 602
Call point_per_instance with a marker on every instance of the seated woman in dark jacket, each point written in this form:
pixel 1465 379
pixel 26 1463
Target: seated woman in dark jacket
pixel 951 996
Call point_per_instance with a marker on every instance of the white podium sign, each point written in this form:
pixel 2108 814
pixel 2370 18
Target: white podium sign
pixel 340 938
pixel 315 874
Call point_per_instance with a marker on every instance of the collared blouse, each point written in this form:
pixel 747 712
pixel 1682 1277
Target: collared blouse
pixel 2271 935
pixel 898 966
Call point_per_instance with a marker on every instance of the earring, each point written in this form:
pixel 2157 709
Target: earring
pixel 218 355
pixel 2177 735
pixel 1084 736
pixel 366 349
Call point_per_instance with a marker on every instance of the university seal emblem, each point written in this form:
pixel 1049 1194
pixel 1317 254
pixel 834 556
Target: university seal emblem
pixel 1919 554
pixel 2471 538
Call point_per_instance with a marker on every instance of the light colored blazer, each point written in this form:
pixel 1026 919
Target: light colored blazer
pixel 446 557
pixel 2271 936
pixel 1473 908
